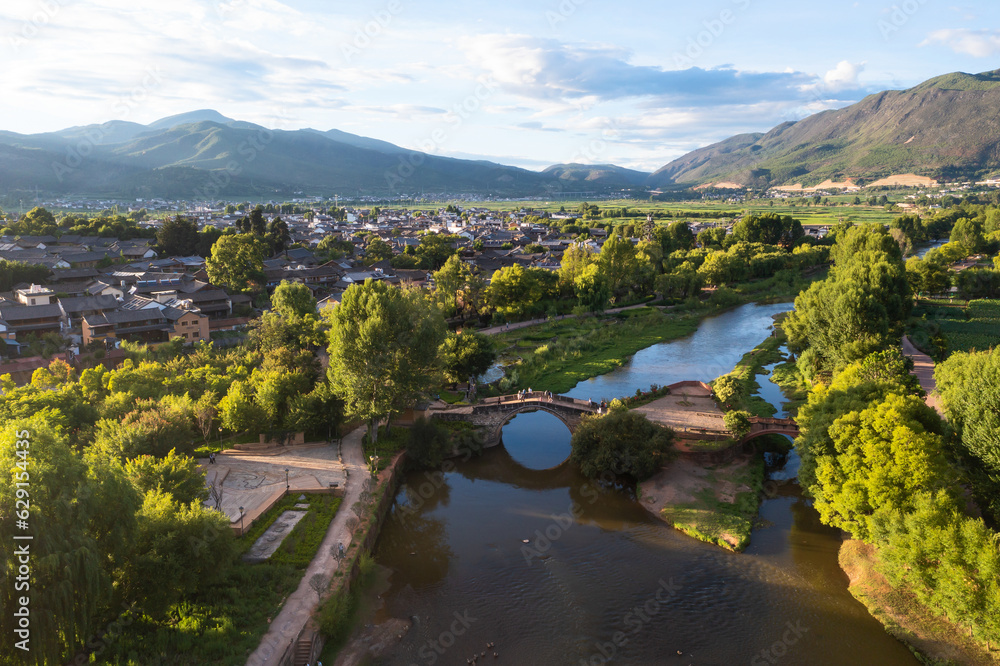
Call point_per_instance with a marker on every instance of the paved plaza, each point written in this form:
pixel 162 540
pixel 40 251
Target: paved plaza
pixel 255 480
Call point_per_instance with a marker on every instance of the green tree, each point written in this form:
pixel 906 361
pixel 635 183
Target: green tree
pixel 453 285
pixel 621 443
pixel 516 291
pixel 618 264
pixel 13 272
pixel 466 354
pixel 768 228
pixel 179 549
pixel 949 561
pixel 574 260
pixel 592 288
pixel 969 384
pixel 737 422
pixel 178 237
pixel 293 299
pixel 885 455
pixel 968 233
pixel 682 282
pixel 383 350
pixel 69 583
pixel 237 263
pixel 859 309
pixel 377 250
pixel 175 474
pixel 729 389
pixel 428 443
pixel 36 222
pixel 434 250
pixel 206 239
pixel 239 411
pixel 278 235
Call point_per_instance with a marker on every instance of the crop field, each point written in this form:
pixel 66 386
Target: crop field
pixel 696 210
pixel 977 327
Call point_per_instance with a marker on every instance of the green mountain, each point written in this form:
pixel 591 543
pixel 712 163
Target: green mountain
pixel 596 176
pixel 947 127
pixel 204 155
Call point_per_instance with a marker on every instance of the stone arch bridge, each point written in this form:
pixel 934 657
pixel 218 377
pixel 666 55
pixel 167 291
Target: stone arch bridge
pixel 762 426
pixel 492 413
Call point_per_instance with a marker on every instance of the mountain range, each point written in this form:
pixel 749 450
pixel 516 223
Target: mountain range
pixel 203 155
pixel 945 128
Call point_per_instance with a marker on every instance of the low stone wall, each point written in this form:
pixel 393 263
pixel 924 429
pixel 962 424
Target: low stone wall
pixel 362 541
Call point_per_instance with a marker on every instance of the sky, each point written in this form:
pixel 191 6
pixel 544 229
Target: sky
pixel 524 82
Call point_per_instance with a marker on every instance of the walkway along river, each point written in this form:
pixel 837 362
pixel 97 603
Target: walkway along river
pixel 515 548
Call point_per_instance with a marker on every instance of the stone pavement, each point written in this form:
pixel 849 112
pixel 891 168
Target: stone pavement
pixel 302 602
pixel 684 411
pixel 254 480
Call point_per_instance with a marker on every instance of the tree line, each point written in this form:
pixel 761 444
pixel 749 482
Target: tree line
pixel 877 460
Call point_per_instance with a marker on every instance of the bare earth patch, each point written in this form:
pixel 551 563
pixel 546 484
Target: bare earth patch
pixel 716 503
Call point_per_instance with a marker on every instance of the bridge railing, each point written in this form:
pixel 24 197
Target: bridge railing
pixel 540 397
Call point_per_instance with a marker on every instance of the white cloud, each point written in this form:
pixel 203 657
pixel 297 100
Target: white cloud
pixel 547 69
pixel 976 43
pixel 844 76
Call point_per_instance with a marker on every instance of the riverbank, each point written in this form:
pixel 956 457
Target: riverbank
pixel 713 503
pixel 718 503
pixel 746 372
pixel 556 356
pixel 904 617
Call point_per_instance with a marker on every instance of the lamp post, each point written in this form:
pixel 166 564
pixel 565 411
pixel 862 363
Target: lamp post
pixel 241 521
pixel 286 479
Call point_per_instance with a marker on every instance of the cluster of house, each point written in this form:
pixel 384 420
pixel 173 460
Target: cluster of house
pixel 105 289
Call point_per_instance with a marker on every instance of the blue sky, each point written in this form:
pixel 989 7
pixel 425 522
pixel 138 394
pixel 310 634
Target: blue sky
pixel 530 83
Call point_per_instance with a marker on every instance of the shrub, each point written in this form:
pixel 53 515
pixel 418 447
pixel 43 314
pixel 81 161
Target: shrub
pixel 621 443
pixel 428 443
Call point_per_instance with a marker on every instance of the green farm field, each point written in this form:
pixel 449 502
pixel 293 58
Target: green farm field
pixel 974 328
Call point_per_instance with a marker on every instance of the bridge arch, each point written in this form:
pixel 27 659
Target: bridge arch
pixel 571 421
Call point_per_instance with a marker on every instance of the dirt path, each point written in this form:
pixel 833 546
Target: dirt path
pixel 300 604
pixel 923 369
pixel 494 330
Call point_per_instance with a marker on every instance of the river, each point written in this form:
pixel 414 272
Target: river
pixel 600 580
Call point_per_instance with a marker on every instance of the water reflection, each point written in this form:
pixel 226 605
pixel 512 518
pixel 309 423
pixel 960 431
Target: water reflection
pixel 712 351
pixel 552 567
pixel 537 440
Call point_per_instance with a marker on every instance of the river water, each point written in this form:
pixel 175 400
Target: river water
pixel 600 580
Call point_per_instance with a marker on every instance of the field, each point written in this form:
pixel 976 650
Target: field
pixel 976 327
pixel 813 214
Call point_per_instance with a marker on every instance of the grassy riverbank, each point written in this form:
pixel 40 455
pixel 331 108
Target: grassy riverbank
pixel 717 504
pixel 746 371
pixel 556 356
pixel 933 638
